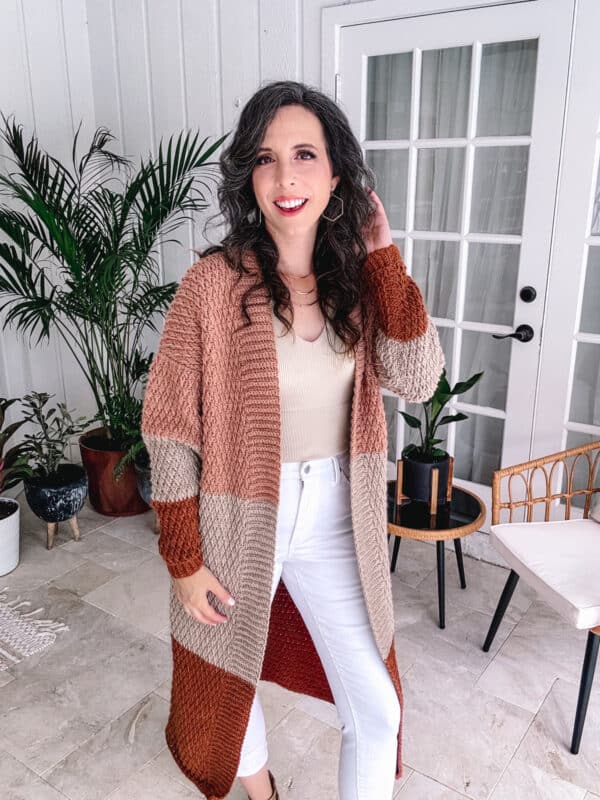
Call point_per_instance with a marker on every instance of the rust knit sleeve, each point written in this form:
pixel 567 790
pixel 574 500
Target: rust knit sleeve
pixel 407 351
pixel 172 430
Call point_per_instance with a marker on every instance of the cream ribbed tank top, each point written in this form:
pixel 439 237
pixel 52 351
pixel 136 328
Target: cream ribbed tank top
pixel 315 386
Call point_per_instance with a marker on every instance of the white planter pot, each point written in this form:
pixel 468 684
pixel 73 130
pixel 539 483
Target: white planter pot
pixel 9 537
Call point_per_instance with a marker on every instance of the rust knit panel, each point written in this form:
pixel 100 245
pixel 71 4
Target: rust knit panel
pixel 179 540
pixel 172 431
pixel 291 659
pixel 205 750
pixel 397 298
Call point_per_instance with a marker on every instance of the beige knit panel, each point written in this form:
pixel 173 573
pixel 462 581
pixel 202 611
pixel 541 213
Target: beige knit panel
pixel 409 369
pixel 368 473
pixel 238 546
pixel 175 469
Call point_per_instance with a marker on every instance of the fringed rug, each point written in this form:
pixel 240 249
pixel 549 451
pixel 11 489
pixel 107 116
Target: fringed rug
pixel 20 635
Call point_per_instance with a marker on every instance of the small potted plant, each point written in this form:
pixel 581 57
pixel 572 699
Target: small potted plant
pixel 420 459
pixel 57 489
pixel 81 264
pixel 14 467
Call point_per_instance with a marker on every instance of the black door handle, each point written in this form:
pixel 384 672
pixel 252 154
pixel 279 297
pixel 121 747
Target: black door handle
pixel 524 333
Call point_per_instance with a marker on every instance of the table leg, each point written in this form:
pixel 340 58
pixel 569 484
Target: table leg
pixel 460 562
pixel 395 552
pixel 441 583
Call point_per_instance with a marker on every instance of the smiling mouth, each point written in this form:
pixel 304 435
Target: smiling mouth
pixel 291 211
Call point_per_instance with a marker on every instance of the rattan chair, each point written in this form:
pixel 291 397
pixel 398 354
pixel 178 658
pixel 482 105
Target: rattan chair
pixel 558 556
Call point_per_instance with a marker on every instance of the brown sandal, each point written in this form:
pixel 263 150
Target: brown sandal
pixel 274 793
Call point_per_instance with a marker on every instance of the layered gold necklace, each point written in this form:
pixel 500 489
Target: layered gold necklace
pixel 289 276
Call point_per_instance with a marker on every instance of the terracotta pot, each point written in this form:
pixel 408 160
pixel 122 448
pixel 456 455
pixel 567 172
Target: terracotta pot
pixel 108 496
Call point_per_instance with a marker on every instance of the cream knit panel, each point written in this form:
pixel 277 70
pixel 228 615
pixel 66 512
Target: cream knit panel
pixel 409 369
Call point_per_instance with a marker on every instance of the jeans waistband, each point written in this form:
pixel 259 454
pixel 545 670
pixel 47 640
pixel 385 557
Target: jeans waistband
pixel 315 466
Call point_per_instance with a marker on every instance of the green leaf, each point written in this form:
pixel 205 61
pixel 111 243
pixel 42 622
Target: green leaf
pixel 438 453
pixel 412 422
pixel 410 448
pixel 454 418
pixel 464 386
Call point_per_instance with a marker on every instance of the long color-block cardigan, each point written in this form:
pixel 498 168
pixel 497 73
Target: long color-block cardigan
pixel 211 424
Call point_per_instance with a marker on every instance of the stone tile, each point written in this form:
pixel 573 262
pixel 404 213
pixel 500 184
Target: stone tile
pixel 111 756
pixel 91 636
pixel 485 583
pixel 46 725
pixel 456 734
pixel 151 783
pixel 37 565
pixel 164 690
pixel 288 743
pixel 316 773
pixel 137 530
pixel 541 648
pixel 460 642
pixel 415 561
pixel 407 652
pixel 547 743
pixel 319 709
pixel 17 782
pixel 165 634
pixel 84 578
pixel 139 596
pixel 529 783
pixel 167 765
pixel 420 787
pixel 108 551
pixel 6 677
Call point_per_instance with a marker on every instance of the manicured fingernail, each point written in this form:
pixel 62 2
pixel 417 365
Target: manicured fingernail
pixel 231 601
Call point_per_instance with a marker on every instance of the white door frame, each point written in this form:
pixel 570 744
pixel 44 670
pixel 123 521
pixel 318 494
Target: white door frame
pixel 358 13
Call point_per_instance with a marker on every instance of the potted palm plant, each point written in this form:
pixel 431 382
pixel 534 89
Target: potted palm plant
pixel 14 467
pixel 420 458
pixel 80 262
pixel 57 489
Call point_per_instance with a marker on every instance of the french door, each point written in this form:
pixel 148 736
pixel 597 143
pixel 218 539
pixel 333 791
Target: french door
pixel 460 114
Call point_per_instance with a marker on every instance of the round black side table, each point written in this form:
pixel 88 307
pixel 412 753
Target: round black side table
pixel 463 515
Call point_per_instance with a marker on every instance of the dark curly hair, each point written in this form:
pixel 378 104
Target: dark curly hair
pixel 339 250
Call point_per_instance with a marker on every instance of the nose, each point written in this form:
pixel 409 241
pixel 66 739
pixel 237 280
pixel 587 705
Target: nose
pixel 285 174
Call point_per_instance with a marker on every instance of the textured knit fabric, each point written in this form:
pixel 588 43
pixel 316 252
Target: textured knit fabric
pixel 212 426
pixel 316 380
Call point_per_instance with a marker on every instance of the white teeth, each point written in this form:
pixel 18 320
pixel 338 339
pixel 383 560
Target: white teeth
pixel 290 203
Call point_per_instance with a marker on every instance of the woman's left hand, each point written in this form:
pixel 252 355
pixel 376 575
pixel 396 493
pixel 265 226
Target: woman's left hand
pixel 379 234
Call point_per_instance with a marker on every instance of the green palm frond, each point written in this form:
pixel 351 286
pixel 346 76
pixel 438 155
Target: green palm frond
pixel 78 256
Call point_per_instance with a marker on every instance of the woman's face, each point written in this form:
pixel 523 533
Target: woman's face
pixel 292 164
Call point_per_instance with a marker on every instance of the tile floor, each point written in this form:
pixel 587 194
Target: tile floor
pixel 85 719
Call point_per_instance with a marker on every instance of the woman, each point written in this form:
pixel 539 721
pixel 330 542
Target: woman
pixel 266 431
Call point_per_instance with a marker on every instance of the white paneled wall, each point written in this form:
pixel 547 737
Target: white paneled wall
pixel 145 69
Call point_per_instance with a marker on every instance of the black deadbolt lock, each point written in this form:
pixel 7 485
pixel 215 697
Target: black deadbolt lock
pixel 528 294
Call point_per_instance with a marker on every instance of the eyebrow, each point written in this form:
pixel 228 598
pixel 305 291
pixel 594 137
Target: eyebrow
pixel 296 147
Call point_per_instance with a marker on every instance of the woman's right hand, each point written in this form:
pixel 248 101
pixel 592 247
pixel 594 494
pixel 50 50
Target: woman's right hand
pixel 192 590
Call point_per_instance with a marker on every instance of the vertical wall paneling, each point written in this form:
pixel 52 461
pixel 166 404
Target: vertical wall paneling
pixel 144 69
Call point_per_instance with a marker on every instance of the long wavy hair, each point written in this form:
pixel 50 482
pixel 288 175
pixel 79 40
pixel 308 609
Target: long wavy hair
pixel 339 250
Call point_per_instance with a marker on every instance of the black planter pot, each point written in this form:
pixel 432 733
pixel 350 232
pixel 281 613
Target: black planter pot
pixel 141 464
pixel 60 497
pixel 417 475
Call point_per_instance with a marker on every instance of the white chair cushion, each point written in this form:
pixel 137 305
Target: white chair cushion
pixel 560 560
pixel 595 509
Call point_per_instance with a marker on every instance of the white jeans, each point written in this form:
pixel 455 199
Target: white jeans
pixel 316 559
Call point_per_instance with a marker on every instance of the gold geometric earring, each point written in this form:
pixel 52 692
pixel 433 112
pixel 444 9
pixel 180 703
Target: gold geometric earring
pixel 333 219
